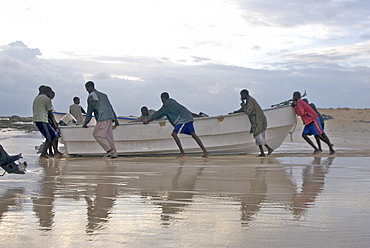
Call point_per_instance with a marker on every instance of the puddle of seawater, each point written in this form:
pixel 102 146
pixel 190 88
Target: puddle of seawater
pixel 225 201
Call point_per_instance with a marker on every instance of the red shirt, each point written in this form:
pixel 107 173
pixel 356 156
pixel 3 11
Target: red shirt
pixel 305 111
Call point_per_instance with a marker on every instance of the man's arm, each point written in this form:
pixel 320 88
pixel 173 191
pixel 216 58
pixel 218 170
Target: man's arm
pixel 298 108
pixel 161 112
pixel 92 105
pixel 238 111
pixel 52 120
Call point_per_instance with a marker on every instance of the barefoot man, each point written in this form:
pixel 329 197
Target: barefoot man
pixel 311 121
pixel 99 104
pixel 41 109
pixel 258 120
pixel 181 118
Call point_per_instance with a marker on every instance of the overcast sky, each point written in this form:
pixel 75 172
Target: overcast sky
pixel 203 52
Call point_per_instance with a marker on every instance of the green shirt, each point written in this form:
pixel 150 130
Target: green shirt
pixel 41 106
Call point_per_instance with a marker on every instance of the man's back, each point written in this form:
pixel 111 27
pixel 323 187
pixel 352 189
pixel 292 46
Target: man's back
pixel 305 111
pixel 40 108
pixel 101 105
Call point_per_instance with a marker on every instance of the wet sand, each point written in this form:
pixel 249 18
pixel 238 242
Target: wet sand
pixel 289 199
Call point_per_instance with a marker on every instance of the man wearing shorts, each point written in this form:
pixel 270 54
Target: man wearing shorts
pixel 323 136
pixel 41 109
pixel 181 118
pixel 311 121
pixel 258 120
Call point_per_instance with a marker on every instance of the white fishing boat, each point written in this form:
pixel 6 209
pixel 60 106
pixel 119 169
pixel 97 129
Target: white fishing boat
pixel 225 134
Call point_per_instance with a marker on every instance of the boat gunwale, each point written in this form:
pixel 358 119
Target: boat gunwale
pixel 196 118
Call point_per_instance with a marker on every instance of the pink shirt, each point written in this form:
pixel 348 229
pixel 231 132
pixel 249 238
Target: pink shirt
pixel 305 111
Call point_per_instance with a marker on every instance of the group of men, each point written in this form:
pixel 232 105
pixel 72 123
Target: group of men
pixel 178 115
pixel 44 120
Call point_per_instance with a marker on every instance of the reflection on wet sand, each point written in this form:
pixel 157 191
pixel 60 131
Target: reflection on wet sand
pixel 171 187
pixel 9 199
pixel 313 183
pixel 174 198
pixel 99 209
pixel 43 201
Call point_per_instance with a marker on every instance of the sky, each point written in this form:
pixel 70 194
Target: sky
pixel 202 52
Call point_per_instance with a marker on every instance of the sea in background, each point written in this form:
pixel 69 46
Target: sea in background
pixel 289 199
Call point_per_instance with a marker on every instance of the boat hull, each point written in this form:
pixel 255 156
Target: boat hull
pixel 226 134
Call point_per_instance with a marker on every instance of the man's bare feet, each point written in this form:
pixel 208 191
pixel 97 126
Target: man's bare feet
pixel 206 155
pixel 181 156
pixel 270 151
pixel 109 153
pixel 316 152
pixel 261 155
pixel 43 156
pixel 332 152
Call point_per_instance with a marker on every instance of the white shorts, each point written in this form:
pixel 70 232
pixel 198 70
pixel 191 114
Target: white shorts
pixel 260 139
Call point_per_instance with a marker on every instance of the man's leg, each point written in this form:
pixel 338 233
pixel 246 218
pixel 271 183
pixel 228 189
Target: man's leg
pixel 305 137
pixel 178 143
pixel 262 153
pixel 200 144
pixel 318 142
pixel 110 140
pixel 100 135
pixel 269 149
pixel 57 153
pixel 260 142
pixel 326 139
pixel 47 146
pixel 49 134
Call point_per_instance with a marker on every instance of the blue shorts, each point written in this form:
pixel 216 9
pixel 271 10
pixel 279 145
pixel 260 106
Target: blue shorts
pixel 187 128
pixel 46 130
pixel 314 128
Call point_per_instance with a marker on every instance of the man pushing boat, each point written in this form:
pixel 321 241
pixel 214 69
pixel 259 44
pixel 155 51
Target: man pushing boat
pixel 257 118
pixel 181 118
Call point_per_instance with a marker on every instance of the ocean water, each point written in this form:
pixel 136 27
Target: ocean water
pixel 224 201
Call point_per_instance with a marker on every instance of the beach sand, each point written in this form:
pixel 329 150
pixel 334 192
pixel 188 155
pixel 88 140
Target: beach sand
pixel 289 199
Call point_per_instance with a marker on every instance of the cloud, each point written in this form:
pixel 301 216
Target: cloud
pixel 22 72
pixel 291 13
pixel 354 54
pixel 205 86
pixel 19 51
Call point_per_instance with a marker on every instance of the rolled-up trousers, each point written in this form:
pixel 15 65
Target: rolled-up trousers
pixel 103 133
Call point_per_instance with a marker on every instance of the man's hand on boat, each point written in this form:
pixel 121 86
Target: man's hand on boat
pixel 116 124
pixel 147 121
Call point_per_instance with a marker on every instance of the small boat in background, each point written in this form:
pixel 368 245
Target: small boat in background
pixel 224 134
